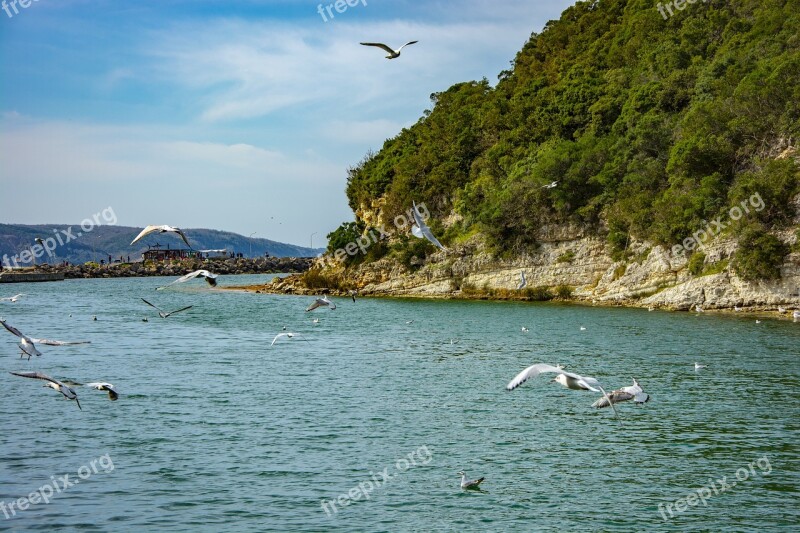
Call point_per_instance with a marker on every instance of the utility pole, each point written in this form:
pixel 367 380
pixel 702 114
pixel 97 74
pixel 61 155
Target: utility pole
pixel 251 244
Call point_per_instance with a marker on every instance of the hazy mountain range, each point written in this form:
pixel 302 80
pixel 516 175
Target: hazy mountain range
pixel 77 246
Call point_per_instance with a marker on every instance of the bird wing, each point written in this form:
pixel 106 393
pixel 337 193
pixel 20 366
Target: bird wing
pixel 331 305
pixel 28 348
pixel 153 306
pixel 108 387
pixel 38 375
pixel 380 45
pixel 179 310
pixel 146 231
pixel 416 232
pixel 531 372
pixel 49 342
pixel 616 396
pixel 408 43
pixel 278 336
pixel 426 231
pixel 183 236
pixel 12 329
pixel 314 305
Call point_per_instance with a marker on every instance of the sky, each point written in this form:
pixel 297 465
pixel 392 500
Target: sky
pixel 237 115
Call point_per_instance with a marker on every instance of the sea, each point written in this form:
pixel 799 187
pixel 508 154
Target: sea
pixel 362 419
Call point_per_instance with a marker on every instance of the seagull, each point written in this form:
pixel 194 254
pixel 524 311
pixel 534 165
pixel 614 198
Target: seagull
pixel 524 329
pixel 12 299
pixel 210 278
pixel 698 309
pixel 737 308
pixel 758 321
pixel 421 230
pixel 164 314
pixel 651 308
pixel 469 484
pixel 583 328
pixel 781 309
pixel 64 389
pixel 39 241
pixel 287 334
pixel 321 302
pixel 796 315
pixel 162 229
pixel 25 343
pixel 567 379
pixel 698 366
pixel 409 321
pixel 315 321
pixel 624 394
pixel 393 54
pixel 108 387
pixel 523 282
pixel 353 294
pixel 551 185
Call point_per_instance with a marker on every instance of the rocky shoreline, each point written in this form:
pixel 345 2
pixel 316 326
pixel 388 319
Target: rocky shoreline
pixel 260 265
pixel 574 268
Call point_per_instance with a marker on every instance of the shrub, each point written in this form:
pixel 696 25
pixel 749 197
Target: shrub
pixel 760 255
pixel 696 263
pixel 566 257
pixel 564 292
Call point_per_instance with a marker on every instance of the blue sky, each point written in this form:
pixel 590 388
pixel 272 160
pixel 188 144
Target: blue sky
pixel 239 115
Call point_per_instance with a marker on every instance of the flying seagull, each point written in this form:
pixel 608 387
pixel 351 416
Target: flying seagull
pixel 321 302
pixel 552 185
pixel 25 343
pixel 162 229
pixel 421 230
pixel 469 484
pixel 12 299
pixel 287 335
pixel 108 387
pixel 353 294
pixel 567 379
pixel 634 392
pixel 210 278
pixel 64 389
pixel 164 314
pixel 393 54
pixel 523 282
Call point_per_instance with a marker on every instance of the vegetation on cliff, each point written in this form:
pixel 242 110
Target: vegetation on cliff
pixel 651 128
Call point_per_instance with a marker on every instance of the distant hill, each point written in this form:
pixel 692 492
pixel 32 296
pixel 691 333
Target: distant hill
pixel 78 246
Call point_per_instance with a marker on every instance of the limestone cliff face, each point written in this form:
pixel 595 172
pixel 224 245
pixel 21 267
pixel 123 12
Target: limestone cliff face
pixel 650 276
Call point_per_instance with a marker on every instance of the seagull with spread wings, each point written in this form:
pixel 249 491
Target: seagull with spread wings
pixel 421 230
pixel 569 380
pixel 393 54
pixel 634 392
pixel 210 278
pixel 164 314
pixel 12 299
pixel 162 229
pixel 25 343
pixel 113 395
pixel 321 302
pixel 64 389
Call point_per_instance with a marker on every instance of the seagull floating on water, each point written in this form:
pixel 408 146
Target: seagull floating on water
pixel 583 328
pixel 698 309
pixel 634 392
pixel 469 484
pixel 523 282
pixel 12 299
pixel 567 379
pixel 210 278
pixel 421 230
pixel 698 366
pixel 524 329
pixel 164 314
pixel 758 321
pixel 737 308
pixel 162 229
pixel 393 54
pixel 64 389
pixel 781 309
pixel 321 302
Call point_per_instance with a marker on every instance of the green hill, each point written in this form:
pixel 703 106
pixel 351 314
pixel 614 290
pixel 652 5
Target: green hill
pixel 651 128
pixel 103 241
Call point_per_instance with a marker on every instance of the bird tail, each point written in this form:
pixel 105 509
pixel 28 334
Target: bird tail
pixel 479 481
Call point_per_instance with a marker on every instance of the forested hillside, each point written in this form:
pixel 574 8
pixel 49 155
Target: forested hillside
pixel 650 127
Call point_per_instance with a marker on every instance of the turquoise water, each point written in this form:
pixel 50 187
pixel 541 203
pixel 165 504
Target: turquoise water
pixel 216 430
